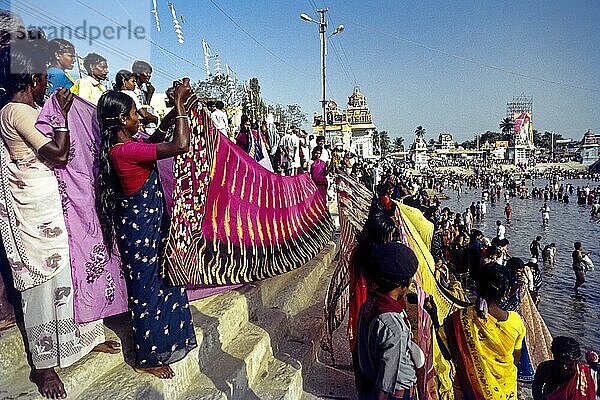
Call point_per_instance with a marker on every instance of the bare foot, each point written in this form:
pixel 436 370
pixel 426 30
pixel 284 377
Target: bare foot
pixel 49 384
pixel 164 372
pixel 110 347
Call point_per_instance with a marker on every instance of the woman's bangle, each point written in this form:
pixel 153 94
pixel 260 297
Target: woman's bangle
pixel 181 116
pixel 60 129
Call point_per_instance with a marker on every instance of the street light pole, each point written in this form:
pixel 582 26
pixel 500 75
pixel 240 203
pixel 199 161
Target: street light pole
pixel 322 29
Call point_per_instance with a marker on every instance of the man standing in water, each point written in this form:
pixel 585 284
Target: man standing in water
pixel 578 267
pixel 535 247
pixel 508 212
pixel 545 210
pixel 500 230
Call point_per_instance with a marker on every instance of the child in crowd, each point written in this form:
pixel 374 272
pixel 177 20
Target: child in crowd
pixel 387 356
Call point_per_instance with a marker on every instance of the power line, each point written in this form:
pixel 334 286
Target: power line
pixel 234 22
pixel 477 62
pixel 348 65
pixel 145 38
pixel 47 17
pixel 339 58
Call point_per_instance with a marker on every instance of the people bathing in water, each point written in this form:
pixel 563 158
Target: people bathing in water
pixel 549 254
pixel 500 230
pixel 545 210
pixel 578 266
pixel 508 212
pixel 535 247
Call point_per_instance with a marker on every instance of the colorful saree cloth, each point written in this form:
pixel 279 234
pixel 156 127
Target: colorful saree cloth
pixel 482 351
pixel 98 284
pixel 317 173
pixel 194 292
pixel 234 222
pixel 580 387
pixel 163 330
pixel 538 337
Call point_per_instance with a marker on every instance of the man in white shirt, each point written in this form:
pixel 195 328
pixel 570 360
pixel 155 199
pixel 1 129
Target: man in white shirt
pixel 325 156
pixel 500 230
pixel 288 145
pixel 219 117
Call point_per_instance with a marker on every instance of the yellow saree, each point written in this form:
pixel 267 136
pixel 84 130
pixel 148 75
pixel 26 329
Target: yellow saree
pixel 482 351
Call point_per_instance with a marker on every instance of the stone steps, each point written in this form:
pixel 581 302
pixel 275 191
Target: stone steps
pixel 16 385
pixel 238 357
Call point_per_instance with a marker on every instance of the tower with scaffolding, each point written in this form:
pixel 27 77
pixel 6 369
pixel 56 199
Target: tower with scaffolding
pixel 520 112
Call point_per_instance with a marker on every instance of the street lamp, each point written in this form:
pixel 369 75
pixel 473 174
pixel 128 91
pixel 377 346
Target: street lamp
pixel 322 28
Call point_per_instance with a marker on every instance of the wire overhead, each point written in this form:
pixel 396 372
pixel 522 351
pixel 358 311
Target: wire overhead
pixel 475 61
pixel 241 28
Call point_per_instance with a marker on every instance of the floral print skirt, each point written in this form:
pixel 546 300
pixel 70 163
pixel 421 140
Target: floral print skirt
pixel 163 330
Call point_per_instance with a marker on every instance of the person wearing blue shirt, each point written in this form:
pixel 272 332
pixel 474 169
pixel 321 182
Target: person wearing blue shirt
pixel 63 59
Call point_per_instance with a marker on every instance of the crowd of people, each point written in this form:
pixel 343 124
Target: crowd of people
pixel 486 342
pixel 46 117
pixel 48 121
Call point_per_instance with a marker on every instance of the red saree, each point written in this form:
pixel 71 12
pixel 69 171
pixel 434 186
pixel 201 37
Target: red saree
pixel 580 387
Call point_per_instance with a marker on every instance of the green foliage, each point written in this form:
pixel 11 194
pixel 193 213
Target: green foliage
pixel 469 144
pixel 506 125
pixel 544 140
pixel 381 143
pixel 420 131
pixel 288 115
pixel 399 144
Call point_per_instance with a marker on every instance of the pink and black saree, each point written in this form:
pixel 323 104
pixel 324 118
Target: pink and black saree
pixel 233 221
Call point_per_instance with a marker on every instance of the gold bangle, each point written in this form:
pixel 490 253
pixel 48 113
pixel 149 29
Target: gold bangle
pixel 181 116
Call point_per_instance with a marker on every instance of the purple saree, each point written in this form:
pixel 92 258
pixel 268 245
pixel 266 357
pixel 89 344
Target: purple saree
pixel 98 283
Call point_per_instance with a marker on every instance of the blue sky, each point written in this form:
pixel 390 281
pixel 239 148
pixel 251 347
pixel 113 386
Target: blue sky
pixel 447 65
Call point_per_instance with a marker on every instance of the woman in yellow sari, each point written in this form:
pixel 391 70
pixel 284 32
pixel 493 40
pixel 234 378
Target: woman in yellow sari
pixel 483 341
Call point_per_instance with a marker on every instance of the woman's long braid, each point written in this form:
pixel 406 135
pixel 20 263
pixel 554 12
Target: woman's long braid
pixel 106 191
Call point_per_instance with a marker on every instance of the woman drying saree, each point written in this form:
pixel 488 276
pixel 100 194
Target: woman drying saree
pixel 131 201
pixel 32 223
pixel 483 341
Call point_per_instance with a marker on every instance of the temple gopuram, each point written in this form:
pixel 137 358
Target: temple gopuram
pixel 351 129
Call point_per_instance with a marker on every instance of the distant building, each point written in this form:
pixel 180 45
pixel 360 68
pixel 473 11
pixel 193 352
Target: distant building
pixel 418 152
pixel 520 111
pixel 445 142
pixel 360 120
pixel 352 128
pixel 590 148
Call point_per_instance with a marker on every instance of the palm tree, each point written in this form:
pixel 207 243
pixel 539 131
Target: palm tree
pixel 420 131
pixel 399 143
pixel 506 125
